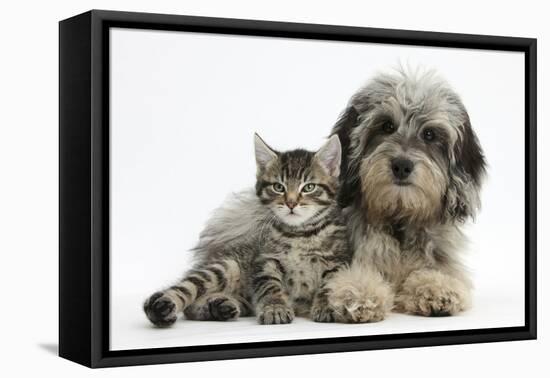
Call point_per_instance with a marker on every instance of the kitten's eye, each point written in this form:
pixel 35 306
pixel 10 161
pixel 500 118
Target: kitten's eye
pixel 388 128
pixel 428 135
pixel 308 188
pixel 279 188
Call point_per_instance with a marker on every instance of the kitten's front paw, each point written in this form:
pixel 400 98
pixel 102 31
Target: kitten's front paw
pixel 322 314
pixel 223 308
pixel 160 309
pixel 275 314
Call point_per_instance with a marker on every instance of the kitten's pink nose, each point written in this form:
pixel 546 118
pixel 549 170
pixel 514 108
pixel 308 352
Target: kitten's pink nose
pixel 291 204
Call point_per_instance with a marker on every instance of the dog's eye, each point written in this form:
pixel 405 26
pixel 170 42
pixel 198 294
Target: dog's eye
pixel 279 188
pixel 388 127
pixel 428 135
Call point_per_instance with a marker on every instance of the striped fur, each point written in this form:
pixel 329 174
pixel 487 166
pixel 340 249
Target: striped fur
pixel 306 242
pixel 258 255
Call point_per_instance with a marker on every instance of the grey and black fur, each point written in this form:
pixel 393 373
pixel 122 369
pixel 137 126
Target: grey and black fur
pixel 268 252
pixel 412 171
pixel 306 243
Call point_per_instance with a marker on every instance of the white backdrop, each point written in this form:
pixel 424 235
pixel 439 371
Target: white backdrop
pixel 29 169
pixel 184 108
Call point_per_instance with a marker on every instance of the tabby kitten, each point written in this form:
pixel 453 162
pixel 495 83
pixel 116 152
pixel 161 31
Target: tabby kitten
pixel 306 242
pixel 275 257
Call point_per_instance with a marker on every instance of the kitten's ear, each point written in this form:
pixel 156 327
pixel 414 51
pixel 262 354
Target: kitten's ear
pixel 330 156
pixel 264 154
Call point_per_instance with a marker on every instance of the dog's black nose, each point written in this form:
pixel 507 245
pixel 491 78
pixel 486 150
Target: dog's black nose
pixel 402 168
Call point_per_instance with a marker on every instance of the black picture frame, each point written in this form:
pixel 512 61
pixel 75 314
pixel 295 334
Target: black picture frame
pixel 84 187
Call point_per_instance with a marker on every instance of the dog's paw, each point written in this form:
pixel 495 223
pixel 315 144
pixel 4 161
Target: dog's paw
pixel 323 314
pixel 160 309
pixel 222 307
pixel 275 314
pixel 432 294
pixel 430 301
pixel 359 295
pixel 362 309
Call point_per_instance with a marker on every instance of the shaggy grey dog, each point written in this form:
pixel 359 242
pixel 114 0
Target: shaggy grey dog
pixel 412 172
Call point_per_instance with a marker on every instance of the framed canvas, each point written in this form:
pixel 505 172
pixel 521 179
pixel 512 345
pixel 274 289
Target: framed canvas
pixel 236 188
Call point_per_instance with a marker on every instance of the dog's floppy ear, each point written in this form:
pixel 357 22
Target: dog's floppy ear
pixel 467 173
pixel 470 154
pixel 343 128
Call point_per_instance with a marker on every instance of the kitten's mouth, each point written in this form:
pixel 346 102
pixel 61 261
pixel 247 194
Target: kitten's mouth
pixel 293 216
pixel 292 211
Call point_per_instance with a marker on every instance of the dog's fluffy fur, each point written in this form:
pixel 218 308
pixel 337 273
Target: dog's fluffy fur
pixel 407 238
